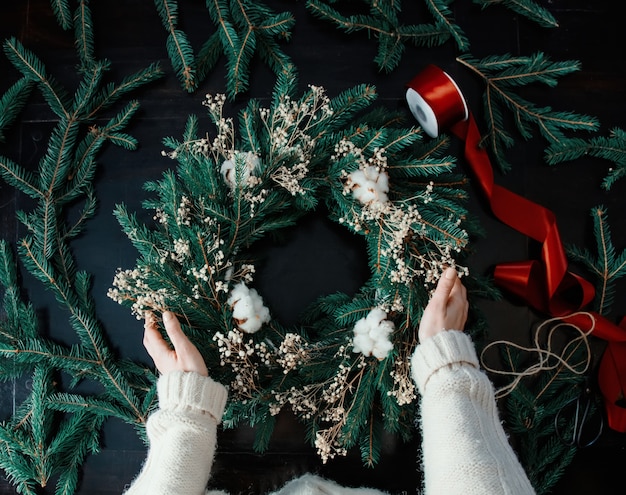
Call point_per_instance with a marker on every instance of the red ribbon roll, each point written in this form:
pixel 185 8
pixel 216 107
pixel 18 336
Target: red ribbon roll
pixel 546 285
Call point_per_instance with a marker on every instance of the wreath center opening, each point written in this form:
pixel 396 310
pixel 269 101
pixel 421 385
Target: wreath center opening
pixel 314 258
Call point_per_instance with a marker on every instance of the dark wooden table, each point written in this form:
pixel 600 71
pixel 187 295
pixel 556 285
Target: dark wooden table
pixel 129 33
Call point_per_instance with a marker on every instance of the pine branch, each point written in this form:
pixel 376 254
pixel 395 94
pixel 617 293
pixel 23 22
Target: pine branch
pixel 606 266
pixel 20 178
pixel 179 49
pixel 502 75
pixel 39 443
pixel 527 8
pixel 243 29
pixel 12 103
pixel 34 70
pixel 62 12
pixel 611 148
pixel 83 34
pixel 243 26
pixel 441 12
pixel 383 24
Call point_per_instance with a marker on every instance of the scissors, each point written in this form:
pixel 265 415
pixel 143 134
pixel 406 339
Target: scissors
pixel 577 422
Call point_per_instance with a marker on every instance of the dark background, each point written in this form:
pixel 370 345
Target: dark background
pixel 130 34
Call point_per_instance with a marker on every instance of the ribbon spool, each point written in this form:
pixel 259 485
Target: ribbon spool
pixel 437 103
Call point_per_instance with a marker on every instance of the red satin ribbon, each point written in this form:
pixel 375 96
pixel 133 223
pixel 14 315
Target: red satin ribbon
pixel 545 285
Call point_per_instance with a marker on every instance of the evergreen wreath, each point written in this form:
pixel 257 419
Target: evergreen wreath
pixel 344 369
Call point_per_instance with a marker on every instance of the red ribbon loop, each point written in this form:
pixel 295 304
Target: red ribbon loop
pixel 545 285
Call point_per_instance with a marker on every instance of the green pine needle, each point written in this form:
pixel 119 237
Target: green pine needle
pixel 611 148
pixel 606 266
pixel 12 102
pixel 382 23
pixel 39 443
pixel 502 75
pixel 527 8
pixel 62 12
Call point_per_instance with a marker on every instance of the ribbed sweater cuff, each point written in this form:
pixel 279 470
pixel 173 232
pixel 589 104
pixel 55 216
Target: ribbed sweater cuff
pixel 443 349
pixel 189 390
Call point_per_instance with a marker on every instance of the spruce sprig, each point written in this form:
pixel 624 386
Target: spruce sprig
pixel 527 8
pixel 30 456
pixel 383 24
pixel 440 10
pixel 12 102
pixel 242 30
pixel 83 34
pixel 611 148
pixel 607 266
pixel 246 28
pixel 503 75
pixel 46 439
pixel 62 12
pixel 178 46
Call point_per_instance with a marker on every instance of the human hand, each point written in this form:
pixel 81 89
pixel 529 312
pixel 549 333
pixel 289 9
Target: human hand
pixel 183 357
pixel 447 308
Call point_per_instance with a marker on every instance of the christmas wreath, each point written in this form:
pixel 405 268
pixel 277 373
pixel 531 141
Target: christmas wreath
pixel 344 368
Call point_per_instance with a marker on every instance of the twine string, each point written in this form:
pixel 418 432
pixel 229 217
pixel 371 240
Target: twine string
pixel 548 357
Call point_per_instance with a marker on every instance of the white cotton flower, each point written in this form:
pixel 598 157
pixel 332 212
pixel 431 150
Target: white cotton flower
pixel 248 309
pixel 370 184
pixel 371 334
pixel 239 169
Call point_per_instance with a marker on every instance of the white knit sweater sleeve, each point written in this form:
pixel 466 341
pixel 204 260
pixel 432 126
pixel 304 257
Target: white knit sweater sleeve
pixel 182 435
pixel 465 449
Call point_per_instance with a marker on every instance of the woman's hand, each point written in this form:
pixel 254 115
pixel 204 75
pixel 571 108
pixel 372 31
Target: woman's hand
pixel 447 308
pixel 183 357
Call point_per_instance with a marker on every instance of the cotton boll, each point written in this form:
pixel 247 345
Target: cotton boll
pixel 381 331
pixel 365 194
pixel 371 334
pixel 248 310
pixel 381 348
pixel 375 316
pixel 362 327
pixel 370 185
pixel 362 343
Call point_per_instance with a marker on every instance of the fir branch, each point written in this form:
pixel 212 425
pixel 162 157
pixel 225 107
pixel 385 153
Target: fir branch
pixel 83 34
pixel 502 75
pixel 527 8
pixel 536 407
pixel 20 178
pixel 88 86
pixel 440 10
pixel 208 56
pixel 606 266
pixel 179 49
pixel 240 24
pixel 62 12
pixel 112 93
pixel 611 148
pixel 243 28
pixel 370 443
pixel 34 70
pixel 12 102
pixel 64 175
pixel 383 24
